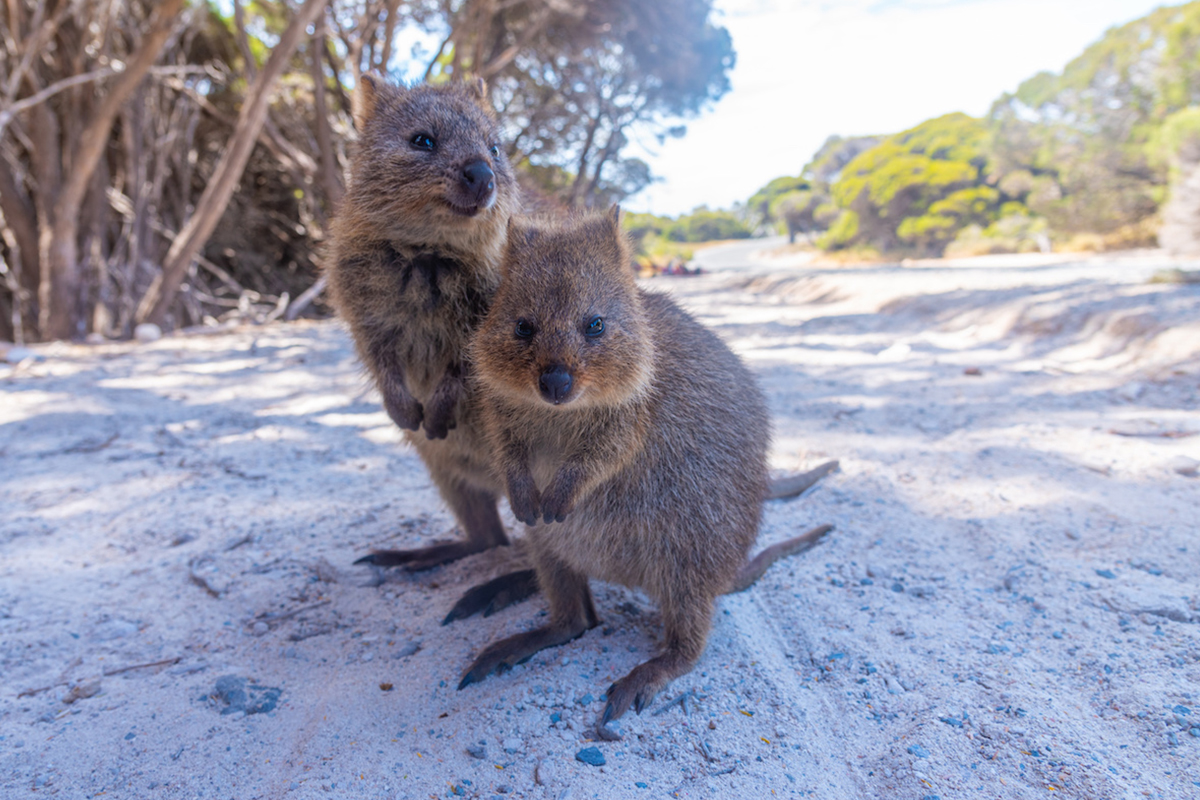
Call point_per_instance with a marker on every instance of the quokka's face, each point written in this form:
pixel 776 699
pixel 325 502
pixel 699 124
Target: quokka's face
pixel 566 328
pixel 435 154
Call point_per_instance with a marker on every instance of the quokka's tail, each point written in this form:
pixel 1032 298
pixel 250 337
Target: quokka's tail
pixel 755 567
pixel 795 485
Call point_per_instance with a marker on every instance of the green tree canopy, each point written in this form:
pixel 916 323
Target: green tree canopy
pixel 916 188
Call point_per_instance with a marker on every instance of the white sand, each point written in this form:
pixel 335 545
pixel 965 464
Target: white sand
pixel 1009 606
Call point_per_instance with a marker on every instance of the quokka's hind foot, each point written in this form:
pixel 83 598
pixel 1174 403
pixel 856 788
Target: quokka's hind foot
pixel 501 656
pixel 496 594
pixel 639 688
pixel 421 558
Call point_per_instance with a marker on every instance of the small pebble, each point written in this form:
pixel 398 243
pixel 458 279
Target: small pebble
pixel 82 690
pixel 260 628
pixel 477 751
pixel 412 648
pixel 147 332
pixel 610 732
pixel 591 755
pixel 1187 467
pixel 641 784
pixel 1106 573
pixel 512 745
pixel 918 751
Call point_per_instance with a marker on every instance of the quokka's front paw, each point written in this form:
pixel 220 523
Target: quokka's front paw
pixel 558 502
pixel 524 500
pixel 438 425
pixel 404 409
pixel 439 411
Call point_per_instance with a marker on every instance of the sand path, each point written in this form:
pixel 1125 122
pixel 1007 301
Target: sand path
pixel 1009 607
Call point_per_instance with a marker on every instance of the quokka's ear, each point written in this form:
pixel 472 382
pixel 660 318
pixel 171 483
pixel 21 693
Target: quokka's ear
pixel 479 89
pixel 615 213
pixel 366 98
pixel 371 87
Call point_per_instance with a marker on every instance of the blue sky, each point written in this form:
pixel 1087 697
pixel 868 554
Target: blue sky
pixel 808 69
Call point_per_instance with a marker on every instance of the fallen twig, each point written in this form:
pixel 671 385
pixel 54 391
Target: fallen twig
pixel 92 446
pixel 40 689
pixel 166 662
pixel 680 701
pixel 60 681
pixel 1176 434
pixel 273 616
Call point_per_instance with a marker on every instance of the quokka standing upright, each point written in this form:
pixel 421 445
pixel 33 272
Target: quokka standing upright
pixel 417 244
pixel 628 436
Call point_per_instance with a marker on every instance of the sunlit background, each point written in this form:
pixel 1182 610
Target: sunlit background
pixel 809 70
pixel 861 130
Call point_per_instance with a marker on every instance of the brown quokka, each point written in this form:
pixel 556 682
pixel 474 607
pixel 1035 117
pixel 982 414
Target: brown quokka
pixel 630 432
pixel 416 254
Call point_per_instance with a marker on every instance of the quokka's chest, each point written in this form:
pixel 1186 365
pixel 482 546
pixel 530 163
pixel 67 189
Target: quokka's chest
pixel 442 291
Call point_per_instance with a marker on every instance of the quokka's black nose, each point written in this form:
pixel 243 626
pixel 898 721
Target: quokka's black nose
pixel 479 181
pixel 555 384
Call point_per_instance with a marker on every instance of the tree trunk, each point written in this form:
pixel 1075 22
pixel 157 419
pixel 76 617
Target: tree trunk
pixel 228 172
pixel 65 312
pixel 330 169
pixel 22 222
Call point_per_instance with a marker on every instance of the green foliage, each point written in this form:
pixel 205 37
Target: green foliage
pixel 706 225
pixel 1097 129
pixel 833 156
pixel 797 211
pixel 1017 233
pixel 655 236
pixel 915 189
pixel 1092 151
pixel 761 202
pixel 842 232
pixel 1177 142
pixel 639 226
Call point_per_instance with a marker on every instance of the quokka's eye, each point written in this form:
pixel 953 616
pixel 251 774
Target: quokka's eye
pixel 595 327
pixel 495 151
pixel 524 330
pixel 422 141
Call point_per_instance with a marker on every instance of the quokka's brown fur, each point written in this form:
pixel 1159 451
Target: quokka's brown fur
pixel 630 438
pixel 415 260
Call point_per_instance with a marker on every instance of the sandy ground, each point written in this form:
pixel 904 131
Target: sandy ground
pixel 1009 606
